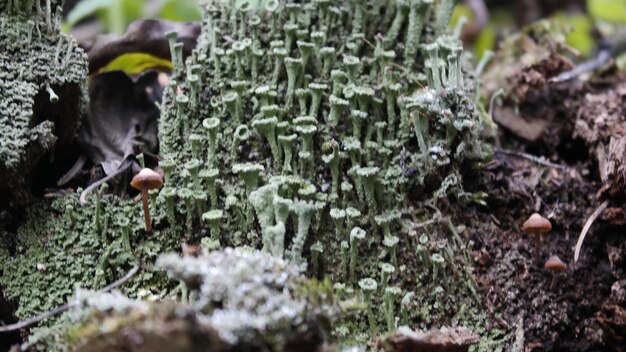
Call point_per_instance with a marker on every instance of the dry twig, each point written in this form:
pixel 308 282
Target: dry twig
pixel 529 157
pixel 587 226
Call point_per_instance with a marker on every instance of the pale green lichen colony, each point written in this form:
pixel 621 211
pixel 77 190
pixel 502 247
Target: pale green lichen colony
pixel 318 126
pixel 319 132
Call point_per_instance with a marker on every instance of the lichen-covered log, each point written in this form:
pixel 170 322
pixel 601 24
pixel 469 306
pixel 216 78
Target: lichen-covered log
pixel 300 130
pixel 42 97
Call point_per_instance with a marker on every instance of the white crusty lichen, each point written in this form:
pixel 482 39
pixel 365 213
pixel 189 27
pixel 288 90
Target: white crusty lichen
pixel 249 293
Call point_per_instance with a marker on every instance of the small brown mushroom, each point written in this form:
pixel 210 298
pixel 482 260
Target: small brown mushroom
pixel 555 265
pixel 537 225
pixel 144 181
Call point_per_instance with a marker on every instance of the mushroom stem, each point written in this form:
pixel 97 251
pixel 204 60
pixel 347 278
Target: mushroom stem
pixel 146 210
pixel 538 248
pixel 553 283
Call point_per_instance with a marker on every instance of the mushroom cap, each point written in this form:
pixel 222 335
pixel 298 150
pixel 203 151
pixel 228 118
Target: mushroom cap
pixel 536 224
pixel 236 85
pixel 307 190
pixel 209 173
pixel 192 165
pixel 305 45
pixel 146 180
pixel 364 91
pixel 303 92
pixel 195 137
pixel 555 264
pixel 328 158
pixel 358 114
pixel 293 62
pixel 242 133
pixel 262 89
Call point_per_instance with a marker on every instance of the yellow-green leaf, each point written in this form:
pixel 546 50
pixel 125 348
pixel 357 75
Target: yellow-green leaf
pixel 135 63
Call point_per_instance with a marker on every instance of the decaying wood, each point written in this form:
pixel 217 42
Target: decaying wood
pixel 601 123
pixel 437 340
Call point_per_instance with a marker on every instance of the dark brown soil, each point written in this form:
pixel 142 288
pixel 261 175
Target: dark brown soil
pixel 516 289
pixel 579 127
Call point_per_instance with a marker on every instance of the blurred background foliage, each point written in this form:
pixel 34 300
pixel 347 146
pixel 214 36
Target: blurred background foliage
pixel 583 22
pixel 114 16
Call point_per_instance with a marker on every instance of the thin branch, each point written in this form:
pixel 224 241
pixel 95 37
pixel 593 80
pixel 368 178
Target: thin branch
pixel 78 165
pixel 123 167
pixel 45 315
pixel 529 157
pixel 586 228
pixel 64 307
pixel 369 43
pixel 129 275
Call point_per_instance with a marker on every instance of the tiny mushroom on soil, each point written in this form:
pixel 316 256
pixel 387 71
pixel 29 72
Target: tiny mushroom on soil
pixel 537 225
pixel 555 265
pixel 145 181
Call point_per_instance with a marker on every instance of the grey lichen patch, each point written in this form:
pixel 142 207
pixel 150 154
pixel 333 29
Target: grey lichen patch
pixel 42 99
pixel 241 300
pixel 253 298
pixel 132 325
